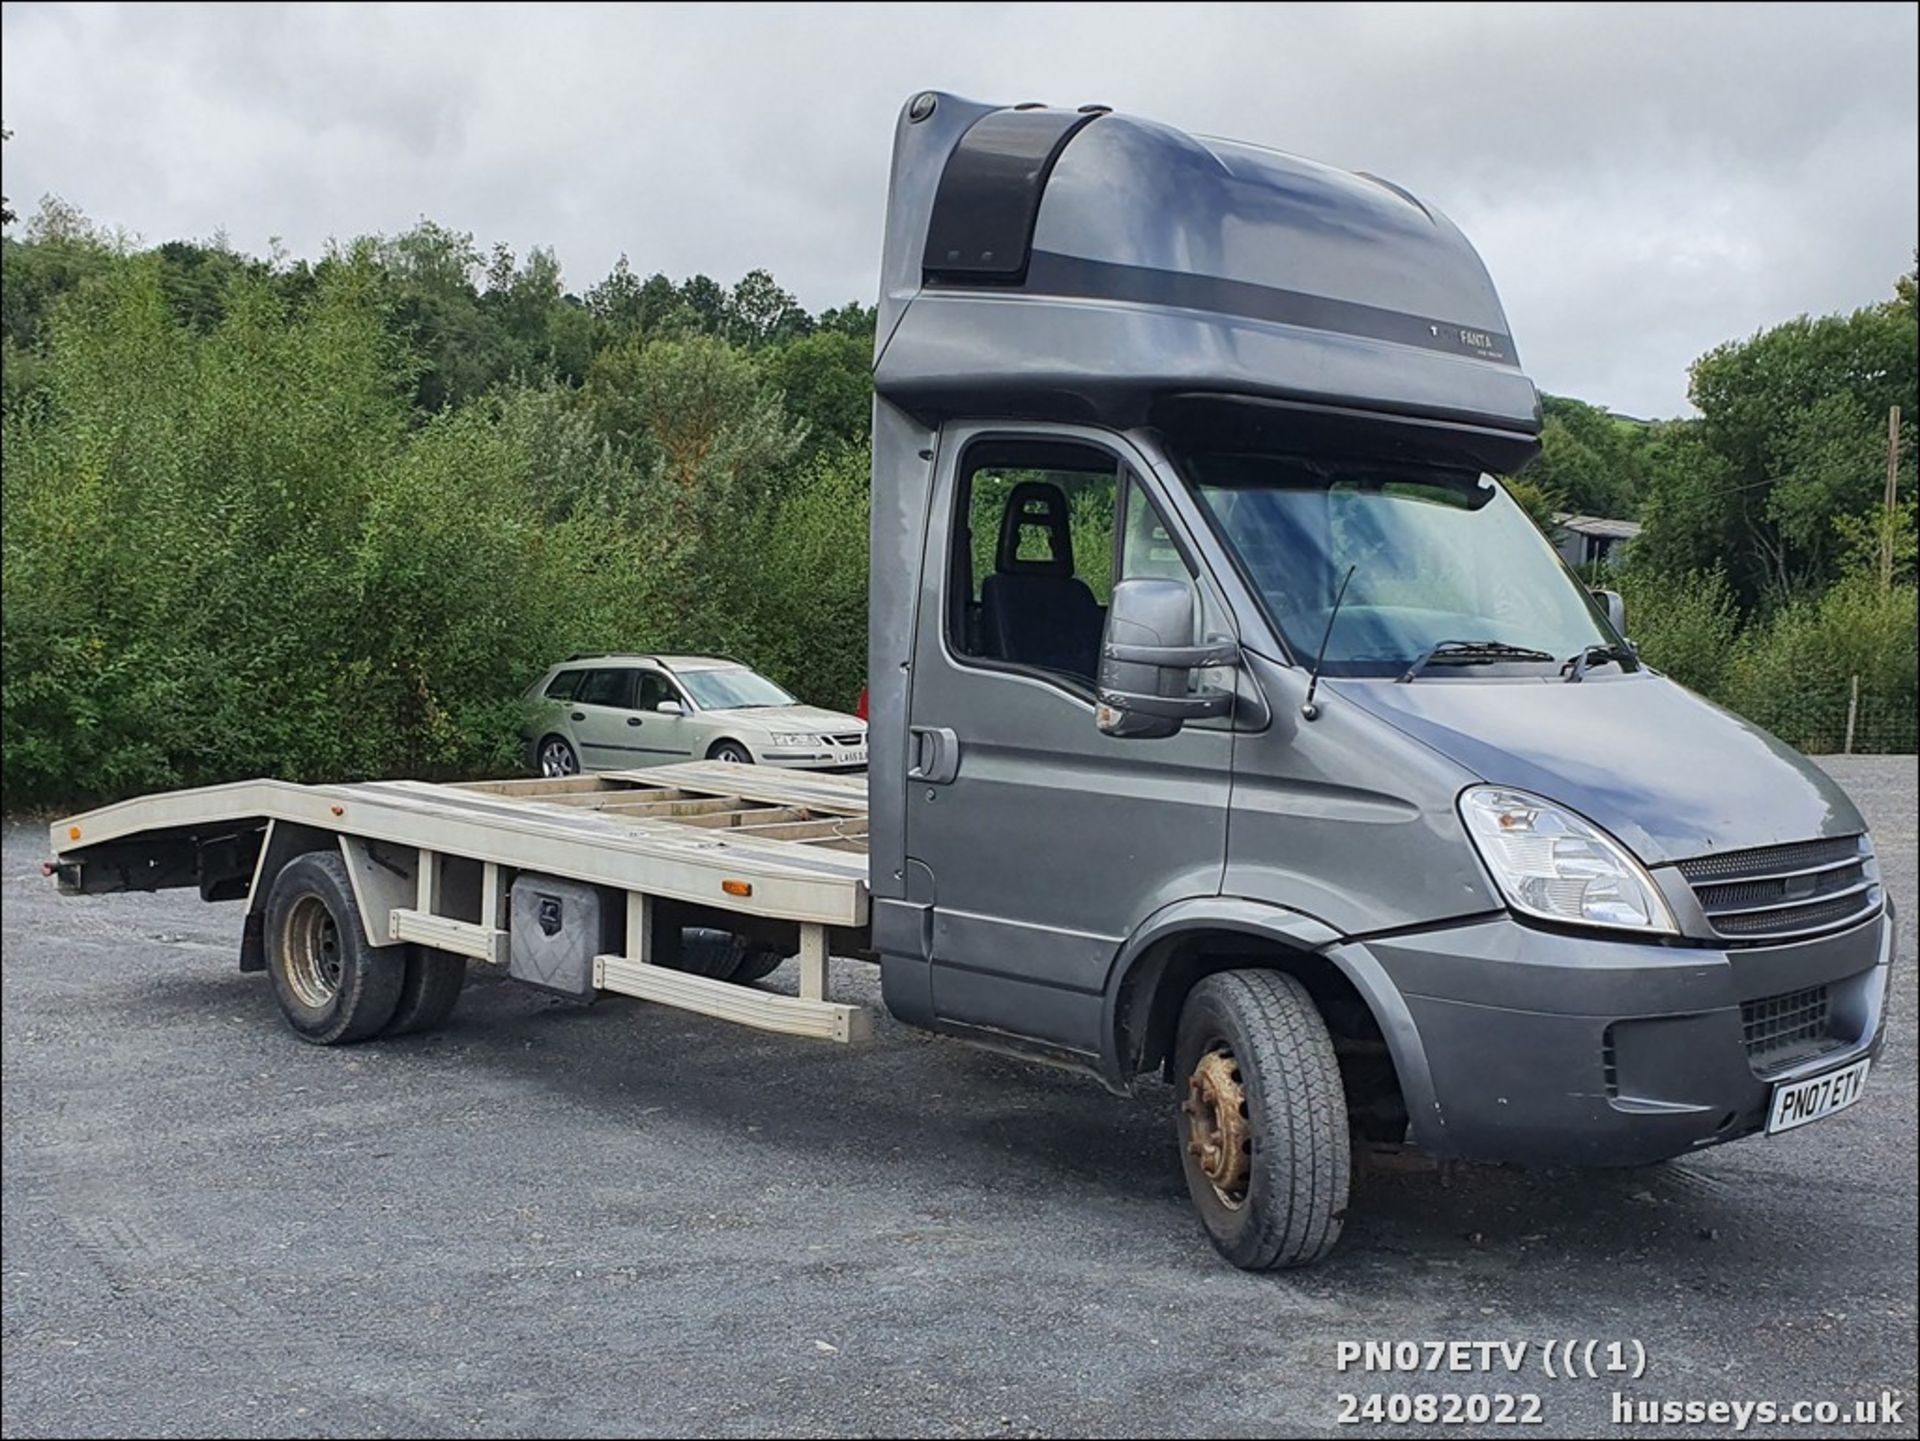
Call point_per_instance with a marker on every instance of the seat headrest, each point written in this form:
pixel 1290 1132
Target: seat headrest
pixel 1035 505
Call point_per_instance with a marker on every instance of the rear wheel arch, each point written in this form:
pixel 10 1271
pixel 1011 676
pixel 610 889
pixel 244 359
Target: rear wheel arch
pixel 283 843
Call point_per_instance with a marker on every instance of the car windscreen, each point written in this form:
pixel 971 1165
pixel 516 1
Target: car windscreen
pixel 1436 556
pixel 731 688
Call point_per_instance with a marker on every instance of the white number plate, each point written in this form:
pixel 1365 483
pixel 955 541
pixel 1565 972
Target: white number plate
pixel 1797 1102
pixel 857 758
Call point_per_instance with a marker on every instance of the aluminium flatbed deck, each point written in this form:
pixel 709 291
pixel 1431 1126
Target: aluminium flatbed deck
pixel 431 863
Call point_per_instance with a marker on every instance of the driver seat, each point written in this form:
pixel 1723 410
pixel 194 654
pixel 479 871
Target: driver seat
pixel 1035 611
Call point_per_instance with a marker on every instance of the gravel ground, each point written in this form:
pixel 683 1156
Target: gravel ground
pixel 550 1220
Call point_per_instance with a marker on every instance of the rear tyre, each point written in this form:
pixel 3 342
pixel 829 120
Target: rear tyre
pixel 428 992
pixel 757 966
pixel 332 986
pixel 731 751
pixel 713 954
pixel 1263 1120
pixel 723 956
pixel 556 759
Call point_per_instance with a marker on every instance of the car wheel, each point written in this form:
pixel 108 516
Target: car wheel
pixel 557 759
pixel 731 751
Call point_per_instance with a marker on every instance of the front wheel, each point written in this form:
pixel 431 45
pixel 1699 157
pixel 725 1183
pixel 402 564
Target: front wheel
pixel 731 751
pixel 1263 1119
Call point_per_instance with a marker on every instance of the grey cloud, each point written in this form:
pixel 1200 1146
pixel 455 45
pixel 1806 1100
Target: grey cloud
pixel 1644 182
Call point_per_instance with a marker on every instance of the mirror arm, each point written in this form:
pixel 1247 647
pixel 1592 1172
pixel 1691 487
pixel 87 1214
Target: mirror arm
pixel 1175 657
pixel 1203 704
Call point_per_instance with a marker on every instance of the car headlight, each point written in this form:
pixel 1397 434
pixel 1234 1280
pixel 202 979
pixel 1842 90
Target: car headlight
pixel 1552 864
pixel 795 740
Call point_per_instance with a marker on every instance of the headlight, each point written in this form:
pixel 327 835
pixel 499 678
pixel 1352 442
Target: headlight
pixel 795 740
pixel 1550 863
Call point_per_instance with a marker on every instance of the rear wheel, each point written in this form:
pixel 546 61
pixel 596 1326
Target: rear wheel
pixel 731 751
pixel 557 758
pixel 332 986
pixel 1263 1119
pixel 428 992
pixel 757 966
pixel 723 956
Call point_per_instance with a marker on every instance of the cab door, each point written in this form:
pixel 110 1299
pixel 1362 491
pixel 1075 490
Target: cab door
pixel 1043 842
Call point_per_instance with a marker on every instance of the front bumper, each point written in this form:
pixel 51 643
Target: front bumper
pixel 838 759
pixel 1524 1045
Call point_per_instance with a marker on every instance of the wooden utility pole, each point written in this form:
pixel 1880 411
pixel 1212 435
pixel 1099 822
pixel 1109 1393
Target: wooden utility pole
pixel 1893 484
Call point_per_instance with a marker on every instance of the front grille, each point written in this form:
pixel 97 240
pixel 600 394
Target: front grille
pixel 1779 1030
pixel 858 738
pixel 1785 892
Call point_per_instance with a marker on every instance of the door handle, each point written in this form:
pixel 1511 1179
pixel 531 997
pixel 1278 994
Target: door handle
pixel 936 755
pixel 579 715
pixel 633 720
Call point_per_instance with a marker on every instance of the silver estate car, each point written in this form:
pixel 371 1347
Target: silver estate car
pixel 620 712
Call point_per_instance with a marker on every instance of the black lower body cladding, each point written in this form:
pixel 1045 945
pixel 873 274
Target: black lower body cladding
pixel 1521 1045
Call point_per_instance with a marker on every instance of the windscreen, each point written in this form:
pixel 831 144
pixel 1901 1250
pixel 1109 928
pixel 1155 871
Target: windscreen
pixel 1437 556
pixel 731 689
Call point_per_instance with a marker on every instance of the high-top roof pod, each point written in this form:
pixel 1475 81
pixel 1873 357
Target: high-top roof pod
pixel 1091 266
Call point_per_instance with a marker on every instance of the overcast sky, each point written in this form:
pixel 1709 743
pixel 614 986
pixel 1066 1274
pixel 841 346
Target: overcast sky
pixel 1643 183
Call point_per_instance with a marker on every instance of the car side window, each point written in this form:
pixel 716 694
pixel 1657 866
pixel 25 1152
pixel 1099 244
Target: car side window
pixel 565 685
pixel 608 688
pixel 1031 563
pixel 655 688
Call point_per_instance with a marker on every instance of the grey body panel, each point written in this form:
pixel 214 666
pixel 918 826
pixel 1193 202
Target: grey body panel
pixel 1346 820
pixel 1668 774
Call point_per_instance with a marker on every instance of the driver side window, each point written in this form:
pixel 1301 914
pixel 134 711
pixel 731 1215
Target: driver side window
pixel 655 688
pixel 1042 530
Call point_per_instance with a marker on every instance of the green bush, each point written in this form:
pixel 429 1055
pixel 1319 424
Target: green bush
pixel 1795 673
pixel 1684 627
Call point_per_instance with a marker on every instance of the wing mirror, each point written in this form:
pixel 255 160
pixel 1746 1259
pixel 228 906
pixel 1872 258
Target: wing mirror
pixel 1615 606
pixel 670 707
pixel 1147 661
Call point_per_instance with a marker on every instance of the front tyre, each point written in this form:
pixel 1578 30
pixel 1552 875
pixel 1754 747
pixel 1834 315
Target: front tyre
pixel 332 986
pixel 1263 1119
pixel 732 752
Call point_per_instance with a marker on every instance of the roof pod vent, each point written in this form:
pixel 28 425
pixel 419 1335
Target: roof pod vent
pixel 981 228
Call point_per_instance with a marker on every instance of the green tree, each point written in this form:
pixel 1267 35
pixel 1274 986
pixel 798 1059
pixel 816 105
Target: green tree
pixel 1594 462
pixel 1795 418
pixel 827 378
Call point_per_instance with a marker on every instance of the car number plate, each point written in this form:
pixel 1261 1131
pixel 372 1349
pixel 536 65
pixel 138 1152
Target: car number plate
pixel 1797 1102
pixel 857 758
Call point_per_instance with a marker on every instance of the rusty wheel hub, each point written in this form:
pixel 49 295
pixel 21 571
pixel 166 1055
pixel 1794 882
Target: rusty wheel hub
pixel 1216 1110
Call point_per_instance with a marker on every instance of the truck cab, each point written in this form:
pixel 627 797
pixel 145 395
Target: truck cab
pixel 1230 722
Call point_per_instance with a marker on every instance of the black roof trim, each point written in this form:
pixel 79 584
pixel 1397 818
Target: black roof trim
pixel 981 228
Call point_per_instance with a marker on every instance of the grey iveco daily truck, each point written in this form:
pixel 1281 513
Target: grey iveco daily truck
pixel 1229 725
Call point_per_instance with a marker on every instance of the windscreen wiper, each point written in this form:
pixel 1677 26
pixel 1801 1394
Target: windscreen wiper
pixel 1472 652
pixel 1575 667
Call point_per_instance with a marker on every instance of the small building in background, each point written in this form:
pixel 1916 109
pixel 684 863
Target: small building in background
pixel 1589 540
